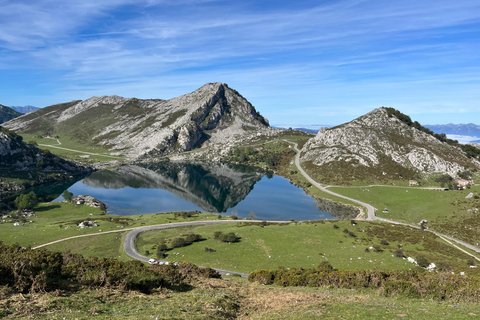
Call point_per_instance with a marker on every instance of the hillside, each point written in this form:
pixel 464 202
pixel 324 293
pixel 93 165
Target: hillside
pixel 381 145
pixel 212 115
pixel 19 160
pixel 7 114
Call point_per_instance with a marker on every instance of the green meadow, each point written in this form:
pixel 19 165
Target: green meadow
pixel 449 212
pixel 58 220
pixel 307 245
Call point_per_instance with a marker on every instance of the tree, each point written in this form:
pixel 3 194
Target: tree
pixel 178 243
pixel 26 201
pixel 251 214
pixel 161 250
pixel 67 195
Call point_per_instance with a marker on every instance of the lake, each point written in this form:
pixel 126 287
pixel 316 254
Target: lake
pixel 216 188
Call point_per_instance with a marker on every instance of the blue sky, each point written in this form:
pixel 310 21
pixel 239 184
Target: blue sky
pixel 298 62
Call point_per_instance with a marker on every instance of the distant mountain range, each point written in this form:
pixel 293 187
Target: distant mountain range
pixel 462 132
pixel 24 109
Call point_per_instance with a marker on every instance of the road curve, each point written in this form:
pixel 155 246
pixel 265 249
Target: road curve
pixel 129 242
pixel 370 209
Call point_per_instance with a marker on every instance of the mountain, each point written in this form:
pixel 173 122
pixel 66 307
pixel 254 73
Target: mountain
pixel 212 115
pixel 18 156
pixel 24 109
pixel 23 165
pixel 7 114
pixel 383 144
pixel 468 129
pixel 464 133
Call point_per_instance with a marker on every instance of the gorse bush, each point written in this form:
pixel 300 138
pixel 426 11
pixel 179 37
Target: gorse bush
pixel 35 271
pixel 411 283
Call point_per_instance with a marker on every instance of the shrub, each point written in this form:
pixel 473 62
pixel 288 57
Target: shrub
pixel 192 237
pixel 67 195
pixel 443 266
pixel 207 249
pixel 384 242
pixel 335 226
pixel 217 234
pixel 471 262
pixel 399 253
pixel 422 261
pixel 178 242
pixel 351 234
pixel 228 237
pixel 162 250
pixel 345 231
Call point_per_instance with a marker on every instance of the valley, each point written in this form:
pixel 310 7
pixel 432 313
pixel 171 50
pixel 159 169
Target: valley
pixel 288 198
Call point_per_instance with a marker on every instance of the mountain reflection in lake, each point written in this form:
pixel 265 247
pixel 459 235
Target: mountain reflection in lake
pixel 217 188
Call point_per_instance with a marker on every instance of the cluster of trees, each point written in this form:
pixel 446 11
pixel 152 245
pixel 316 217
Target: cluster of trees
pixel 411 283
pixel 26 201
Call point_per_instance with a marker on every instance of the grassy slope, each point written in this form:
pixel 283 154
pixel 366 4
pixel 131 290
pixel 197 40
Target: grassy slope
pixel 80 148
pixel 446 211
pixel 307 245
pixel 58 220
pixel 219 299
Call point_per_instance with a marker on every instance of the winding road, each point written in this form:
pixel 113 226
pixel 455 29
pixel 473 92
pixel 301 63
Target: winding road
pixel 129 241
pixel 370 209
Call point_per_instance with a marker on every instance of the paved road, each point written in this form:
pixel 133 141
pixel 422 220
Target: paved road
pixel 84 152
pixel 370 209
pixel 129 242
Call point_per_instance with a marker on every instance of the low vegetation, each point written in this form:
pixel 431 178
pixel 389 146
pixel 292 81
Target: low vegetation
pixel 365 246
pixel 410 283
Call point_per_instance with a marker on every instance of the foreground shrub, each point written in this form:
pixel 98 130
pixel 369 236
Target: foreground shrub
pixel 411 283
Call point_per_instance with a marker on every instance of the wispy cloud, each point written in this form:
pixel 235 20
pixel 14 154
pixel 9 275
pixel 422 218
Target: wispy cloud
pixel 335 58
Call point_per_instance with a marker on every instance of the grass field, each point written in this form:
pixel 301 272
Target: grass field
pixel 449 212
pixel 101 246
pixel 77 149
pixel 58 220
pixel 307 245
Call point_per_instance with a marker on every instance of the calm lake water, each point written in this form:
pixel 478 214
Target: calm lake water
pixel 224 189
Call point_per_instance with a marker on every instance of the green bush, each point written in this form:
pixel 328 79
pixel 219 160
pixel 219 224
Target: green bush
pixel 411 283
pixel 422 261
pixel 178 242
pixel 192 237
pixel 228 237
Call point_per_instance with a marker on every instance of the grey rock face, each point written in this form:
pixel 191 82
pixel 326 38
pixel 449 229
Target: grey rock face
pixel 375 138
pixel 213 114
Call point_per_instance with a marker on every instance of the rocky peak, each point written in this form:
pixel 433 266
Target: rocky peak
pixel 383 144
pixel 214 114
